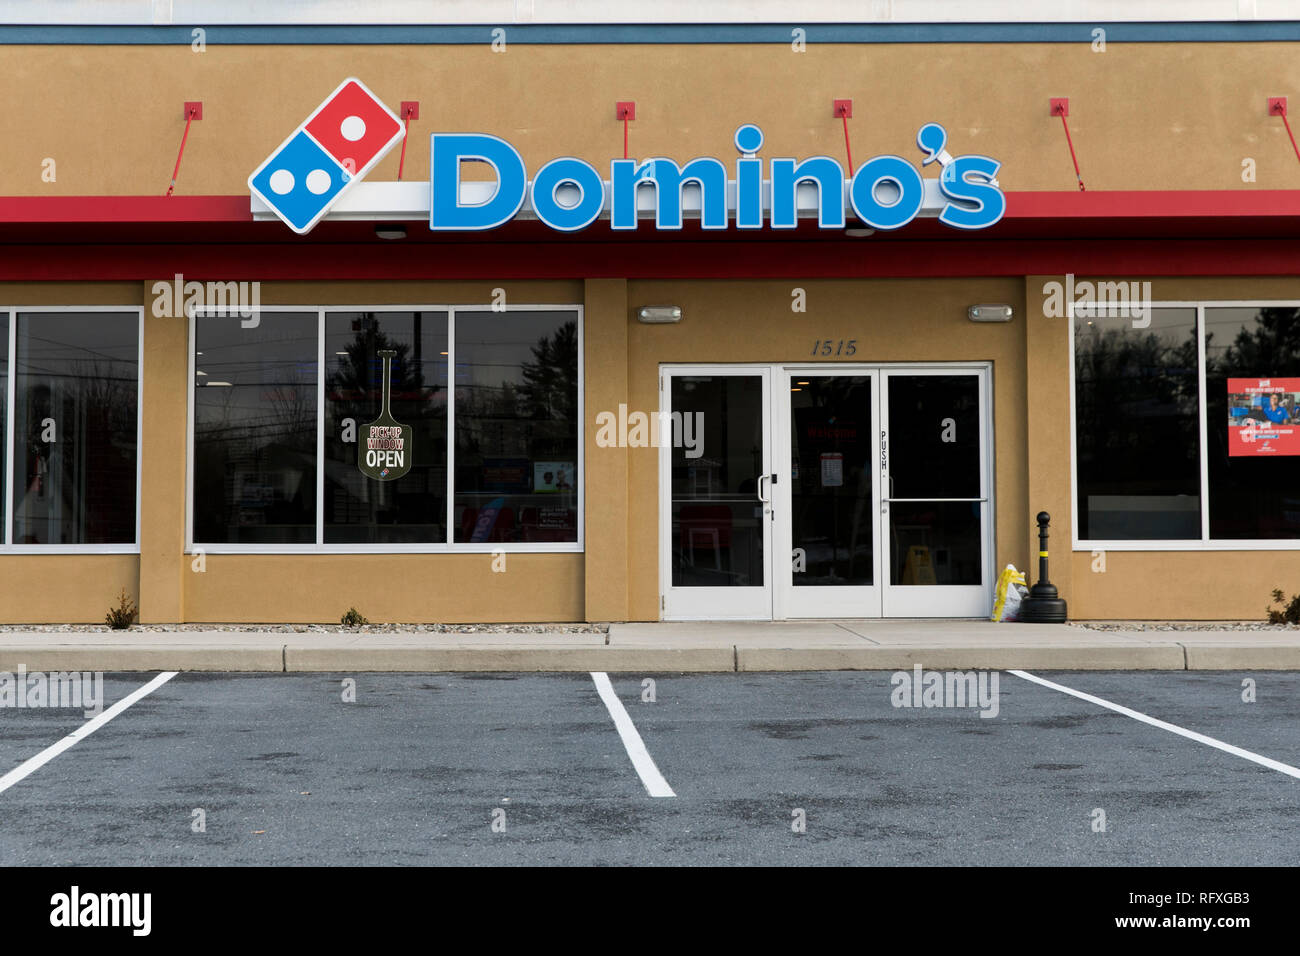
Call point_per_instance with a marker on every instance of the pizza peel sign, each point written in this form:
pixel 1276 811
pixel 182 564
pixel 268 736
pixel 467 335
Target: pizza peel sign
pixel 384 449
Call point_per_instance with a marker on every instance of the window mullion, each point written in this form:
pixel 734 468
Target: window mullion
pixel 320 427
pixel 11 386
pixel 450 535
pixel 1205 431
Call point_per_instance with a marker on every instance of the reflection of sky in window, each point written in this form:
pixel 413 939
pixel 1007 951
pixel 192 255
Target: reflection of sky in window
pixel 1224 325
pixel 71 344
pixel 495 362
pixel 1173 326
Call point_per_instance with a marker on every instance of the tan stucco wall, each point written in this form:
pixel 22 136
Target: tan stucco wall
pixel 386 588
pixel 64 588
pixel 1143 115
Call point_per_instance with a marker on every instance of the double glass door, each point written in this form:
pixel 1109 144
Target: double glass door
pixel 824 491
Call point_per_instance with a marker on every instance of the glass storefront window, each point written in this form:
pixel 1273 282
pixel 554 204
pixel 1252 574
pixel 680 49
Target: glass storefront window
pixel 412 508
pixel 514 407
pixel 1252 387
pixel 516 426
pixel 255 393
pixel 75 422
pixel 1137 427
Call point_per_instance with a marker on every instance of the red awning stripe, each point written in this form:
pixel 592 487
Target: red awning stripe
pixel 1063 205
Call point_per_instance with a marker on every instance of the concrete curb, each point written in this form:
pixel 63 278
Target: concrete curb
pixel 278 657
pixel 433 659
pixel 1224 657
pixel 75 657
pixel 902 657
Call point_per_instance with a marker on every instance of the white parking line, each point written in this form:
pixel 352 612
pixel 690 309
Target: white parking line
pixel 654 781
pixel 1163 725
pixel 28 767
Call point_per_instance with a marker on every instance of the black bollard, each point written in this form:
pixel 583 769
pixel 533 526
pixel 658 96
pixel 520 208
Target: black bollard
pixel 1044 605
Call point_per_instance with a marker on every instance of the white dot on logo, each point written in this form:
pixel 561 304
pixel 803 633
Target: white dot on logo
pixel 318 181
pixel 281 182
pixel 353 128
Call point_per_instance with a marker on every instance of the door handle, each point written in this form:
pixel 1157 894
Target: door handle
pixel 761 479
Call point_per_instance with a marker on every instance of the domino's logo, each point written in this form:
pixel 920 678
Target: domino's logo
pixel 335 146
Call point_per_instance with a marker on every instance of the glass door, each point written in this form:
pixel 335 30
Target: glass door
pixel 934 467
pixel 828 510
pixel 716 493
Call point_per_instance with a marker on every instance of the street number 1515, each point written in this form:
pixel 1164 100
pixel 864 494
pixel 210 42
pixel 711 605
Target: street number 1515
pixel 833 347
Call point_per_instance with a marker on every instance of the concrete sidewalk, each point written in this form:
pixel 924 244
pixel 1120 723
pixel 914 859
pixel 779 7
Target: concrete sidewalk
pixel 675 647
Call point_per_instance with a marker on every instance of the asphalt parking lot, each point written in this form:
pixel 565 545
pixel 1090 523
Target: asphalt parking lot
pixel 533 769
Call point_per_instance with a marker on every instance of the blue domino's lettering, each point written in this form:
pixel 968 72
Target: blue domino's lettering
pixel 990 202
pixel 787 174
pixel 625 175
pixel 749 194
pixel 749 177
pixel 447 152
pixel 905 178
pixel 668 180
pixel 574 172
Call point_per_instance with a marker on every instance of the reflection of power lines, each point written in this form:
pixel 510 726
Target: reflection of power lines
pixel 46 376
pixel 129 349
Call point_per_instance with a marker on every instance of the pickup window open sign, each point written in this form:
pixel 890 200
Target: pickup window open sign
pixel 384 452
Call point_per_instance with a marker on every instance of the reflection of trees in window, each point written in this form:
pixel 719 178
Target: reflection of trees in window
pixel 1272 347
pixel 282 409
pixel 550 381
pixel 359 377
pixel 1138 428
pixel 540 402
pixel 1125 381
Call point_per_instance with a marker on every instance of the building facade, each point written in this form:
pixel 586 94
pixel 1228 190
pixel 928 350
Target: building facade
pixel 534 411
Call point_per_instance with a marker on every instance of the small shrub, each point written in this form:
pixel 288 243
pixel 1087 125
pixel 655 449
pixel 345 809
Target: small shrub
pixel 353 618
pixel 1290 612
pixel 119 618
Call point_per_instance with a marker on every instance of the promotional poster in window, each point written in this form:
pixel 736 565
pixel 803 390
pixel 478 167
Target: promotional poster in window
pixel 1263 416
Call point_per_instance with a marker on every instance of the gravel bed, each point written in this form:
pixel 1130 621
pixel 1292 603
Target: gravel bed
pixel 1182 626
pixel 317 628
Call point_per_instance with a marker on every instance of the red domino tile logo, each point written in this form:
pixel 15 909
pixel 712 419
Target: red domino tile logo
pixel 355 127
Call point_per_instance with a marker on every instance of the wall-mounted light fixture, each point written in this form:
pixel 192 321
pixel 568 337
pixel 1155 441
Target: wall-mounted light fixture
pixel 989 313
pixel 859 232
pixel 390 232
pixel 659 314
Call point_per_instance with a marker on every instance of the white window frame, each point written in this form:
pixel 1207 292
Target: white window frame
pixel 448 547
pixel 1205 542
pixel 8 427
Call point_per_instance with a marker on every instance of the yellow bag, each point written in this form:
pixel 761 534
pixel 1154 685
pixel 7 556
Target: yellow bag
pixel 1006 602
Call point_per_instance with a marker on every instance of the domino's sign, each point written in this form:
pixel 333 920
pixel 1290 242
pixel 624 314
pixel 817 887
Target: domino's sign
pixel 333 148
pixel 568 194
pixel 353 130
